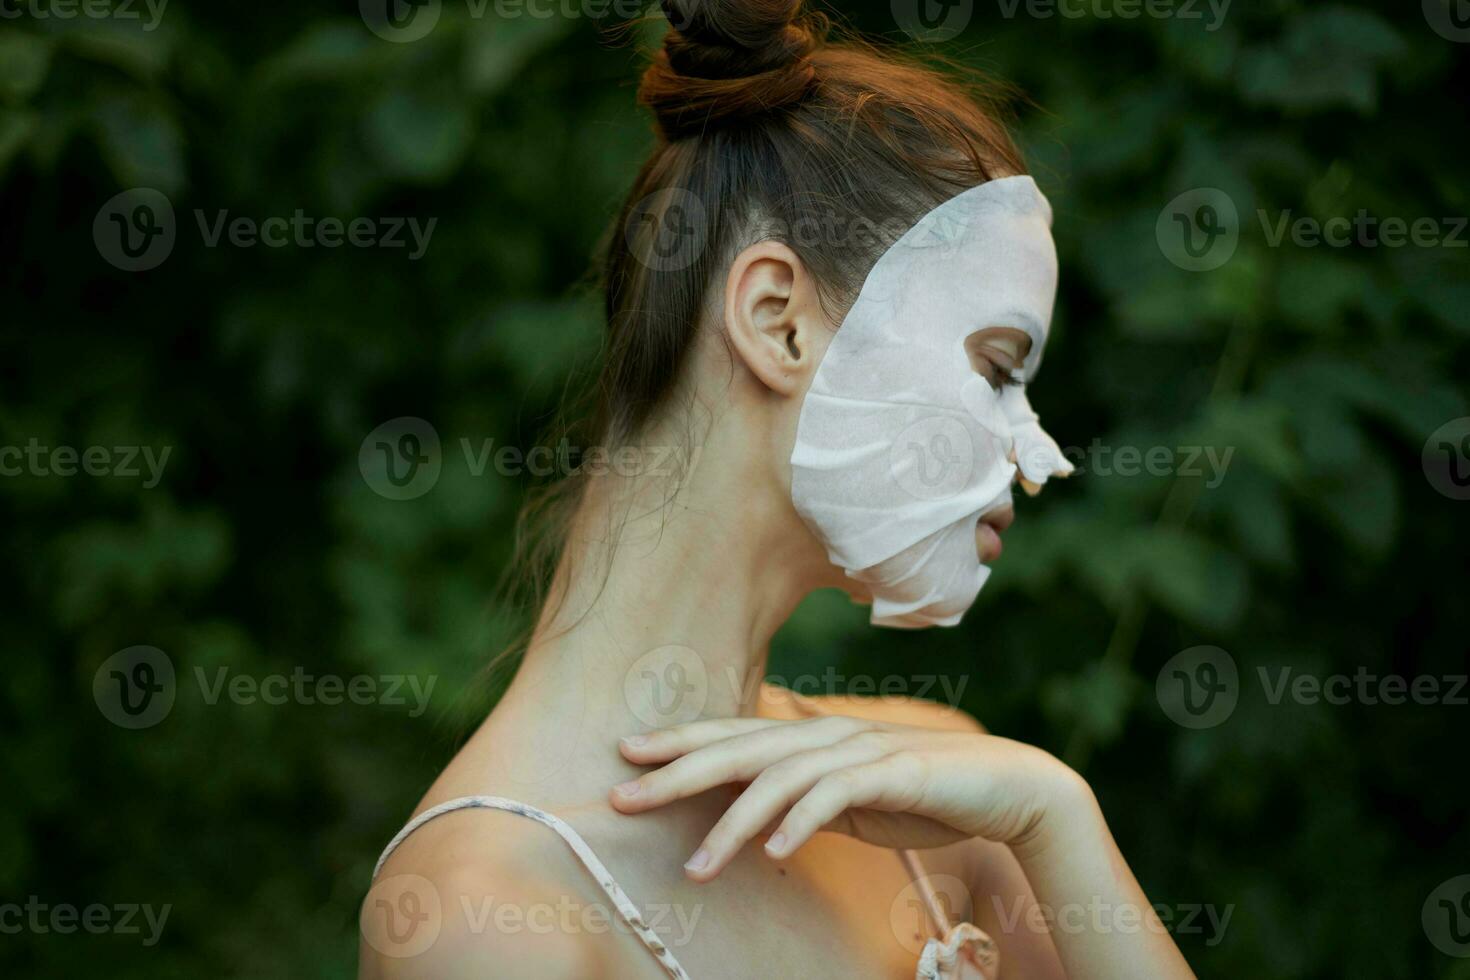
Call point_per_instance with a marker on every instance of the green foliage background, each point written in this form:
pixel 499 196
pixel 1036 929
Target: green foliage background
pixel 263 549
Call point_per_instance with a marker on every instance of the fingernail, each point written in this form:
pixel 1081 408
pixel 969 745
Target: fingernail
pixel 634 740
pixel 699 861
pixel 777 843
pixel 630 788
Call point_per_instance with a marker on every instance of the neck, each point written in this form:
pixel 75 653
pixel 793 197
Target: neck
pixel 662 612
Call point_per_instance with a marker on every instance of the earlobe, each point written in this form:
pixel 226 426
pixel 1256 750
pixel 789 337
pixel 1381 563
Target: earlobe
pixel 769 315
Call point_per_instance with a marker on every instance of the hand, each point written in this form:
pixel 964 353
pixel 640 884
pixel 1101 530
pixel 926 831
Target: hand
pixel 890 785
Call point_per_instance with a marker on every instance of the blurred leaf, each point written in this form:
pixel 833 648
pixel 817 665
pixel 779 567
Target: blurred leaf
pixel 1258 428
pixel 494 55
pixel 542 341
pixel 1193 578
pixel 118 43
pixel 1316 545
pixel 418 135
pixel 15 130
pixel 142 143
pixel 1363 503
pixel 1257 512
pixel 1315 290
pixel 1329 56
pixel 329 51
pixel 1096 699
pixel 24 59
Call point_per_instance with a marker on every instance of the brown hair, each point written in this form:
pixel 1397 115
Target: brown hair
pixel 766 128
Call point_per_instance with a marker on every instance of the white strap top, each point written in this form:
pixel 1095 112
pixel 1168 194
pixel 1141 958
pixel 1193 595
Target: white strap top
pixel 966 952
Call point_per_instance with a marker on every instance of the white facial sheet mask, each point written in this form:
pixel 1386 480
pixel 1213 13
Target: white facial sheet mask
pixel 901 447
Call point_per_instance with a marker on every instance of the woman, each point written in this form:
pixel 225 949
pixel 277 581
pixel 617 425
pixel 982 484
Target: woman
pixel 826 285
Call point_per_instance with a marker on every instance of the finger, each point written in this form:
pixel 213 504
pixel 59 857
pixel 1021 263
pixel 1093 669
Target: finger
pixel 670 743
pixel 663 744
pixel 737 759
pixel 771 793
pixel 893 783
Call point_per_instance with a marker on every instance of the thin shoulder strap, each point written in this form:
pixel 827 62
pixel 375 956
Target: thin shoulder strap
pixel 921 881
pixel 614 892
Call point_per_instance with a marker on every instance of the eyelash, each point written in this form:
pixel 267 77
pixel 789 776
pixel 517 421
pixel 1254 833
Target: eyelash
pixel 1002 377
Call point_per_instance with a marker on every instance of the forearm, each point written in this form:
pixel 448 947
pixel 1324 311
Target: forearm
pixel 1102 924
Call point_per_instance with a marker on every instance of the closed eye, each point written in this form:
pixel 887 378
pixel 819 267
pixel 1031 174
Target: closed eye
pixel 997 354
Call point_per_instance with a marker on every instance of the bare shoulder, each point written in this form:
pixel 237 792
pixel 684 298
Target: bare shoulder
pixel 475 893
pixel 778 702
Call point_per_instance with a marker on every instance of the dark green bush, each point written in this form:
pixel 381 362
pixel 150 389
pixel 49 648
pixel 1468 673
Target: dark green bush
pixel 259 549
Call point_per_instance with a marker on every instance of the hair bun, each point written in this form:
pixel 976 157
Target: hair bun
pixel 723 60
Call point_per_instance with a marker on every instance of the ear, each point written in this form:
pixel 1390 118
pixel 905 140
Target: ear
pixel 772 312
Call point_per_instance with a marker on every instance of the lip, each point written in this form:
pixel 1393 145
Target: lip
pixel 988 531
